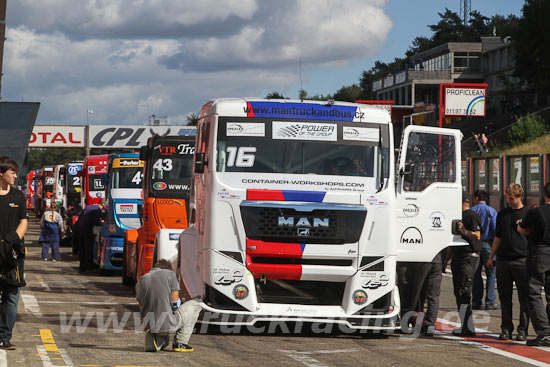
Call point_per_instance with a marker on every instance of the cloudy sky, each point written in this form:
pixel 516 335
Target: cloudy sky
pixel 129 59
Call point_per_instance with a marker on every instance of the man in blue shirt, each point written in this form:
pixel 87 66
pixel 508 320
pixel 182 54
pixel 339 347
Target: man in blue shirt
pixel 488 217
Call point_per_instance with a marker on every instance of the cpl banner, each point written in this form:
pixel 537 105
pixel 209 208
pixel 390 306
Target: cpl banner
pixel 60 136
pixel 109 136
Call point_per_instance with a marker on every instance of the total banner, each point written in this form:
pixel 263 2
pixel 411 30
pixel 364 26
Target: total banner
pixel 129 136
pixel 58 136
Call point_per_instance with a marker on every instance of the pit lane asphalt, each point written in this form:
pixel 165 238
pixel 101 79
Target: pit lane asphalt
pixel 57 292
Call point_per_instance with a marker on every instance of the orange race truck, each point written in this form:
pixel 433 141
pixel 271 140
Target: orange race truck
pixel 166 186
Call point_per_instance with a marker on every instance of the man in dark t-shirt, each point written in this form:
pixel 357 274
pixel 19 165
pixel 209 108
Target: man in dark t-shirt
pixel 465 260
pixel 13 226
pixel 510 246
pixel 536 224
pixel 88 218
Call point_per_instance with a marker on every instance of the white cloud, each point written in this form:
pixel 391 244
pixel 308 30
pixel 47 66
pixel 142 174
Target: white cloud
pixel 128 59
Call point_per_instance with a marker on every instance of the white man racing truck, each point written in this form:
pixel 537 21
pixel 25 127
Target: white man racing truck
pixel 299 211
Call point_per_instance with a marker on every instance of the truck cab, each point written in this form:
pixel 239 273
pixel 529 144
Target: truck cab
pixel 45 193
pixel 300 211
pixel 31 189
pixel 168 164
pixel 124 197
pixel 59 174
pixel 94 171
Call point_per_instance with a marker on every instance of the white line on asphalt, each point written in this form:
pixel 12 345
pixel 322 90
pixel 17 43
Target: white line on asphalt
pixel 303 357
pixel 3 359
pixel 65 357
pixel 484 346
pixel 30 303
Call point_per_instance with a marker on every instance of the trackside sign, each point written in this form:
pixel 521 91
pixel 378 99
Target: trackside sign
pixel 464 101
pixel 109 136
pixel 48 136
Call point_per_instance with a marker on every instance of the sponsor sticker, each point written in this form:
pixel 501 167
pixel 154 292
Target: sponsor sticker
pixel 224 194
pixel 411 210
pixel 412 235
pixel 245 129
pixel 173 236
pixel 374 280
pixel 304 131
pixel 359 297
pixel 126 208
pixel 360 133
pixel 436 221
pixel 160 186
pixel 224 276
pixel 373 200
pixel 73 169
pixel 91 169
pixel 240 291
pixel 126 163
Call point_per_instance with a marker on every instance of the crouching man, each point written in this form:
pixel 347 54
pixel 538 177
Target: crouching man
pixel 161 311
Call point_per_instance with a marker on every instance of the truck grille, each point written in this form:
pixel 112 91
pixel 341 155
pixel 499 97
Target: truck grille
pixel 303 223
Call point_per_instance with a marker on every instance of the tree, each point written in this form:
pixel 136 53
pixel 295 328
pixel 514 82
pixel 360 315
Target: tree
pixel 348 93
pixel 192 119
pixel 39 157
pixel 531 41
pixel 302 94
pixel 274 95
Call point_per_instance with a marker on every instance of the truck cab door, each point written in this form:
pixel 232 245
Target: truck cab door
pixel 429 192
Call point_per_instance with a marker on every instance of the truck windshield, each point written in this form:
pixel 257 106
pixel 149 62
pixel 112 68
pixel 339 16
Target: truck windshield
pixel 171 167
pixel 95 183
pixel 127 178
pixel 324 148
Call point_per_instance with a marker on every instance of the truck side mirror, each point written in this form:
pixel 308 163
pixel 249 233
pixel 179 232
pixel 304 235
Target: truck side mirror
pixel 143 153
pixel 200 162
pixel 408 172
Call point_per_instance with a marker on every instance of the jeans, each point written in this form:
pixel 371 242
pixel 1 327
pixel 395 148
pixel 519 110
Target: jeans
pixel 424 278
pixel 8 310
pixel 188 315
pixel 538 312
pixel 477 290
pixel 463 266
pixel 508 273
pixel 46 248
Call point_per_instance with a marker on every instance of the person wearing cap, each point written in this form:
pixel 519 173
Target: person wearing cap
pixel 465 260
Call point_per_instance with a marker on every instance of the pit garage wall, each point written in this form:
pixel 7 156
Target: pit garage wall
pixel 494 174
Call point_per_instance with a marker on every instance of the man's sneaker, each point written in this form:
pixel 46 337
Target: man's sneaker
pixel 180 347
pixel 539 341
pixel 521 337
pixel 505 335
pixel 476 306
pixel 44 259
pixel 493 306
pixel 5 344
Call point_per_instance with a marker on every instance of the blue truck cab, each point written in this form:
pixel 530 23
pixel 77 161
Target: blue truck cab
pixel 123 201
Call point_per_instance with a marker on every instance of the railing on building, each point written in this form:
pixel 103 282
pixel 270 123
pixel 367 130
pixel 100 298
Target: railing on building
pixel 411 74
